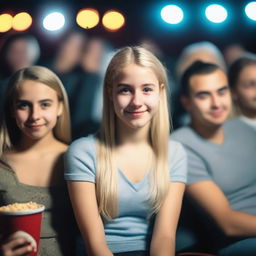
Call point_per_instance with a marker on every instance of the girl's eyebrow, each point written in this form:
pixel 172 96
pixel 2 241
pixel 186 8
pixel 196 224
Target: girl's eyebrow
pixel 119 85
pixel 27 101
pixel 143 85
pixel 149 84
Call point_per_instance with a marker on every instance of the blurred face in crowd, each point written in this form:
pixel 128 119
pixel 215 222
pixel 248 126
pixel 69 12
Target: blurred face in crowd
pixel 209 100
pixel 21 54
pixel 244 93
pixel 93 55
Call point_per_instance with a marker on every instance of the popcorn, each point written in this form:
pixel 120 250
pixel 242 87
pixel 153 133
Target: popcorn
pixel 18 207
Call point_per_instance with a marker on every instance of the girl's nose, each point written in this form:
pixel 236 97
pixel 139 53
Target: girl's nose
pixel 136 99
pixel 35 113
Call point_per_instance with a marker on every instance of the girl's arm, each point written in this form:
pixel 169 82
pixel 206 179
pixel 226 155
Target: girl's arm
pixel 83 198
pixel 164 233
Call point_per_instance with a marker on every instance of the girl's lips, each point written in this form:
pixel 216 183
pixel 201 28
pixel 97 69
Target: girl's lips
pixel 35 127
pixel 135 113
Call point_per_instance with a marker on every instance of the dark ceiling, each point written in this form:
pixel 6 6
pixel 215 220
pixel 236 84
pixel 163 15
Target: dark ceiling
pixel 143 20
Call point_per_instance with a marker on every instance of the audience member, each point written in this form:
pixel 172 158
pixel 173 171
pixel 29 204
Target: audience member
pixel 221 161
pixel 233 51
pixel 86 106
pixel 126 207
pixel 204 51
pixel 34 132
pixel 18 51
pixel 242 79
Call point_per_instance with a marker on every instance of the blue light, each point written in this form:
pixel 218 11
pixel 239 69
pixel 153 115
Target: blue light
pixel 250 10
pixel 216 13
pixel 172 14
pixel 54 21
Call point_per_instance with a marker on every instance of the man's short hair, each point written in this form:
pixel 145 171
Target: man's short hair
pixel 196 68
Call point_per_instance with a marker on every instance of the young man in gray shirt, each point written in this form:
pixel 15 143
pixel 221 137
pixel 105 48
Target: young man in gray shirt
pixel 221 158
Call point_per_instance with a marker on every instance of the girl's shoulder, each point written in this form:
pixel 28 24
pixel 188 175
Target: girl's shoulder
pixel 176 150
pixel 175 146
pixel 83 145
pixel 62 147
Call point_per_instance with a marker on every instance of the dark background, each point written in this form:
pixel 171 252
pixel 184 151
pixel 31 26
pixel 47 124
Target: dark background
pixel 143 20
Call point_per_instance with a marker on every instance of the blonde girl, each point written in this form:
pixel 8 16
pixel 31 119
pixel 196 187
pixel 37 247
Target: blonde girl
pixel 34 133
pixel 126 183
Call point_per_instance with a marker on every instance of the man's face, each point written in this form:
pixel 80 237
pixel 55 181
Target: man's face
pixel 209 100
pixel 244 94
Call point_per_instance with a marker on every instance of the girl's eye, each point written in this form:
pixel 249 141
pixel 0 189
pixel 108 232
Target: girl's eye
pixel 22 106
pixel 124 91
pixel 45 105
pixel 147 89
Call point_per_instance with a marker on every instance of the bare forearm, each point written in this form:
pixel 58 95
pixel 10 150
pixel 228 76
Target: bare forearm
pixel 239 224
pixel 162 247
pixel 98 250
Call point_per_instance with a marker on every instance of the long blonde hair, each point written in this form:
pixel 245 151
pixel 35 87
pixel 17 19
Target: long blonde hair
pixel 106 178
pixel 9 131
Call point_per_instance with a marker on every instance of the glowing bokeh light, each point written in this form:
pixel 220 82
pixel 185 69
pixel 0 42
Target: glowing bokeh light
pixel 54 21
pixel 5 22
pixel 250 10
pixel 88 18
pixel 172 14
pixel 113 20
pixel 216 13
pixel 21 21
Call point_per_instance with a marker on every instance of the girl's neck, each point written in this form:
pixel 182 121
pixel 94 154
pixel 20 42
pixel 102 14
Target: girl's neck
pixel 127 135
pixel 27 144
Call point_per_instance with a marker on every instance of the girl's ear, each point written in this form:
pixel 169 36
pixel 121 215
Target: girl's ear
pixel 60 109
pixel 161 89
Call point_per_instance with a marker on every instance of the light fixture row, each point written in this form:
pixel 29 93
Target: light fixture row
pixel 86 18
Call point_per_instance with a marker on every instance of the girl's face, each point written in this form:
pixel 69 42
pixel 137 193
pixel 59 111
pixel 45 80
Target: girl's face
pixel 136 96
pixel 36 109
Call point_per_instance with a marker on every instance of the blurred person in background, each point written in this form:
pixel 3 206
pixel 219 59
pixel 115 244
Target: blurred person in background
pixel 233 51
pixel 18 51
pixel 242 80
pixel 86 101
pixel 66 64
pixel 203 51
pixel 221 164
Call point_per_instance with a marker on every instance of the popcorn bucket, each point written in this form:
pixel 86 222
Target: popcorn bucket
pixel 25 223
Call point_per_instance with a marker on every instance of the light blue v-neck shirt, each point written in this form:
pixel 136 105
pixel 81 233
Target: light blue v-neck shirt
pixel 131 229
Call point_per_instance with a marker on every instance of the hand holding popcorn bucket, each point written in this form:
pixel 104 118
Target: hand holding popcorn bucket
pixel 22 220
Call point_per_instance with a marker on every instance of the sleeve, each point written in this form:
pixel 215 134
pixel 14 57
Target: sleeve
pixel 178 162
pixel 197 167
pixel 80 161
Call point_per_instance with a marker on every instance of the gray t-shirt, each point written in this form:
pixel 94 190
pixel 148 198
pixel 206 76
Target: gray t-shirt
pixel 131 229
pixel 231 165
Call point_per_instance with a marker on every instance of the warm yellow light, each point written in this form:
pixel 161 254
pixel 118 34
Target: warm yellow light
pixel 21 21
pixel 5 22
pixel 87 18
pixel 113 20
